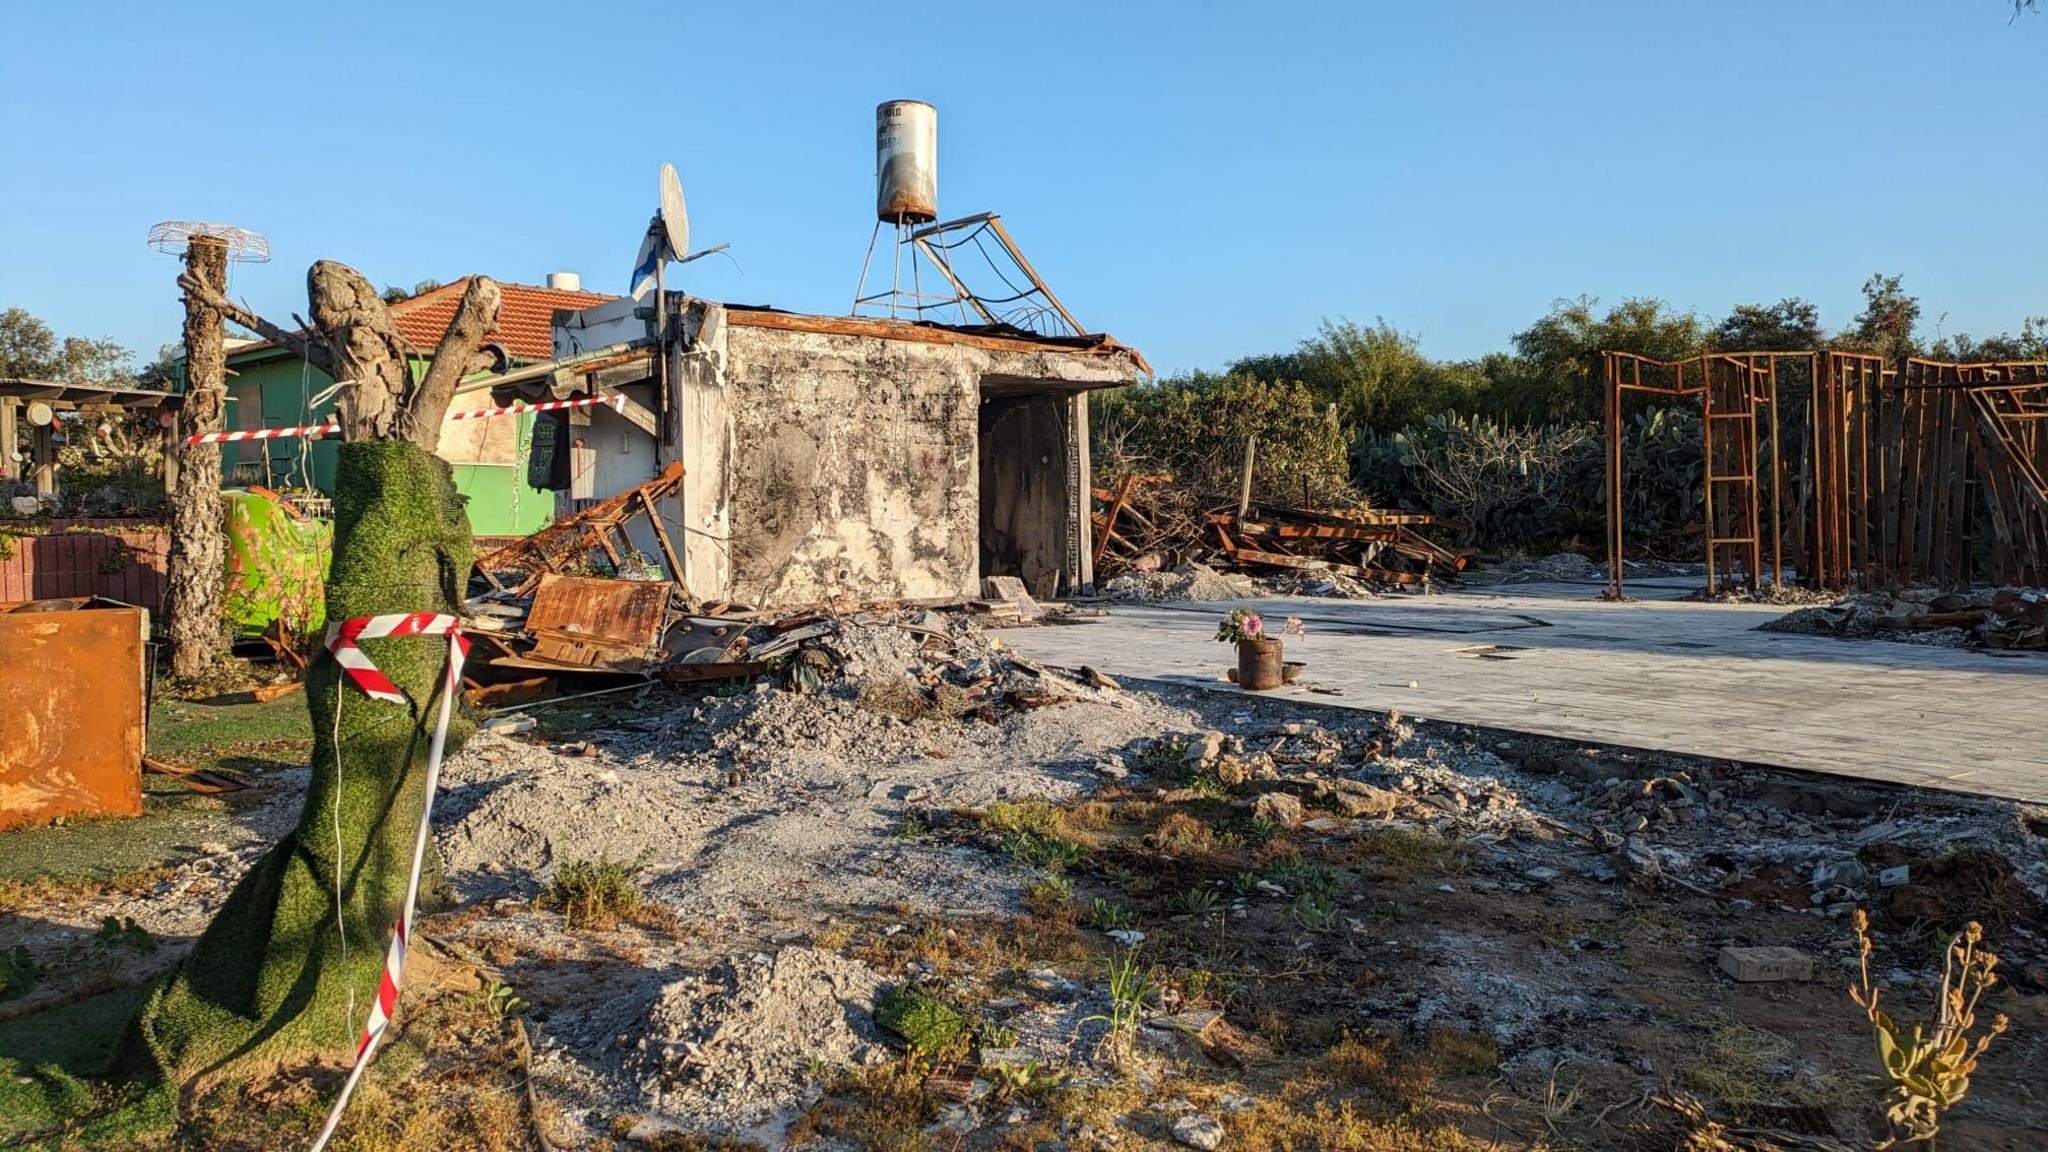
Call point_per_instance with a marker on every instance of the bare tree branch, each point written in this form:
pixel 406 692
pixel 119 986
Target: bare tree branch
pixel 454 358
pixel 307 350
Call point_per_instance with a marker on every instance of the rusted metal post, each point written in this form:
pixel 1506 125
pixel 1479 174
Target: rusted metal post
pixel 1777 486
pixel 1707 464
pixel 1244 486
pixel 1612 381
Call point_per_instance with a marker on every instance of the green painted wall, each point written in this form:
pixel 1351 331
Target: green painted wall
pixel 274 394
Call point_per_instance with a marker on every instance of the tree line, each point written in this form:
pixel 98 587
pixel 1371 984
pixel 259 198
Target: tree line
pixel 1505 446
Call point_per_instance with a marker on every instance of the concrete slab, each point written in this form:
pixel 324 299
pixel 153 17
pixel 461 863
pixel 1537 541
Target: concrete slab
pixel 1658 673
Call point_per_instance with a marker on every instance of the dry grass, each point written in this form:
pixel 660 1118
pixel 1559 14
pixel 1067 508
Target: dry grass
pixel 1339 1126
pixel 884 1108
pixel 1401 854
pixel 451 1080
pixel 1182 835
pixel 1457 1052
pixel 43 889
pixel 1395 1074
pixel 1742 1067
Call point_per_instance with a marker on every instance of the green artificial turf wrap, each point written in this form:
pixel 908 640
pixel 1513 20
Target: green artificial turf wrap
pixel 267 981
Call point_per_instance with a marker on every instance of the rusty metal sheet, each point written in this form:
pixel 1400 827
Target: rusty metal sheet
pixel 71 712
pixel 585 621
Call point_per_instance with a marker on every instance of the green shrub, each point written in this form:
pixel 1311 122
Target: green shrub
pixel 1542 488
pixel 1195 428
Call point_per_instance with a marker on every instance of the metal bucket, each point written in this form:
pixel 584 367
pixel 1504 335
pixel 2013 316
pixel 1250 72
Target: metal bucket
pixel 1258 665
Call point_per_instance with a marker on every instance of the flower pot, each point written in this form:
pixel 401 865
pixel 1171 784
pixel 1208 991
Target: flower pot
pixel 1258 665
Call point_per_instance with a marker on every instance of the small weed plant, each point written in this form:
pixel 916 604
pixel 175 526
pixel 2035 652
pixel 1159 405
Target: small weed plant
pixel 1929 1065
pixel 1130 989
pixel 595 893
pixel 1107 915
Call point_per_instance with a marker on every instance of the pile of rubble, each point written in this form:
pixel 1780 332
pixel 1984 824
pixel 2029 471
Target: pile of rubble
pixel 1556 568
pixel 1149 523
pixel 2004 618
pixel 1736 833
pixel 763 815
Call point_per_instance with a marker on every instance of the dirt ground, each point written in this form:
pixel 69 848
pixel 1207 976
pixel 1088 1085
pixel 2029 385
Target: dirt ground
pixel 952 900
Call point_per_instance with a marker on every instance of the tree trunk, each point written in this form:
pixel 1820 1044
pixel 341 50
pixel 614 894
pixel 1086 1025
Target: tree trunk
pixel 302 937
pixel 271 974
pixel 192 617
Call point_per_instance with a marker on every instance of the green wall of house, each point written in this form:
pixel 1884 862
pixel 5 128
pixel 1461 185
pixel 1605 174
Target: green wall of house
pixel 276 393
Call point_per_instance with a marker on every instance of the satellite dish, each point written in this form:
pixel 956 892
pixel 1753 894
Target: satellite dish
pixel 675 217
pixel 667 238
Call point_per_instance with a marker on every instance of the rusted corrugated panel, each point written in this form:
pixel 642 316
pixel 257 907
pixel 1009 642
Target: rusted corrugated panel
pixel 597 623
pixel 71 713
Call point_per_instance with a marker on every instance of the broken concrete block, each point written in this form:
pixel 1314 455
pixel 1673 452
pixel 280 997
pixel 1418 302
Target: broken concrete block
pixel 1198 1131
pixel 1011 589
pixel 1766 965
pixel 1357 798
pixel 1204 750
pixel 1280 808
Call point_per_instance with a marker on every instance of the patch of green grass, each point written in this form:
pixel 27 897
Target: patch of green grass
pixel 1055 852
pixel 596 893
pixel 1162 758
pixel 18 972
pixel 1297 875
pixel 47 1062
pixel 1033 816
pixel 1131 990
pixel 925 1022
pixel 1317 912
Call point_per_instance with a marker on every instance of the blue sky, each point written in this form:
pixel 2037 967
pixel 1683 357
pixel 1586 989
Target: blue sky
pixel 1204 181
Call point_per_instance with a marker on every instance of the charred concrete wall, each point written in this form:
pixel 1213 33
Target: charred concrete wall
pixel 853 467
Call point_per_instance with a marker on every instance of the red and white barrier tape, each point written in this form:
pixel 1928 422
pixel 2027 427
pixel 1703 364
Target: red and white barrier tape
pixel 615 401
pixel 342 638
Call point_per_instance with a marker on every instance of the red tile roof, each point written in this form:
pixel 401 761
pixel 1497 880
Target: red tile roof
pixel 525 322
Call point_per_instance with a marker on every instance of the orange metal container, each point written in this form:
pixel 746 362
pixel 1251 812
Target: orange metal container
pixel 71 711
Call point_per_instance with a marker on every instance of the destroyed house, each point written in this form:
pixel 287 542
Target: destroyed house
pixel 828 457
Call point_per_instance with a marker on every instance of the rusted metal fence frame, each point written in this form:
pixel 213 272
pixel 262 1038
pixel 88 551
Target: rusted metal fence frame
pixel 1923 475
pixel 1748 383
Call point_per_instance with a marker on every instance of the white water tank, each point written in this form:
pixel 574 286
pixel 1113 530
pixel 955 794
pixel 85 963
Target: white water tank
pixel 565 282
pixel 907 161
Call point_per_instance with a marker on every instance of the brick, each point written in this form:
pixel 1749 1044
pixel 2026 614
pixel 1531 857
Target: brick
pixel 1766 965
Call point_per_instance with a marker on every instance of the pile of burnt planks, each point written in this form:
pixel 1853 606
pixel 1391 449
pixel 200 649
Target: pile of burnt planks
pixel 1147 522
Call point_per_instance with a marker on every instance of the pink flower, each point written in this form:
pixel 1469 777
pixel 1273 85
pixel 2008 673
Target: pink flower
pixel 1253 626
